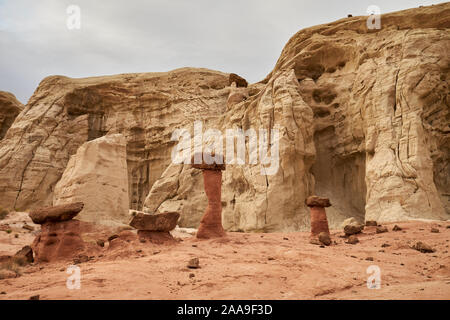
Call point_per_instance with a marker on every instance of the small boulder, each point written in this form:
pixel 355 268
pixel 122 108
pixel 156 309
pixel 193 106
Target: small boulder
pixel 348 221
pixel 155 222
pixel 325 238
pixel 59 213
pixel 423 247
pixel 434 230
pixel 352 239
pixel 371 223
pixel 381 229
pixel 396 228
pixel 194 263
pixel 351 229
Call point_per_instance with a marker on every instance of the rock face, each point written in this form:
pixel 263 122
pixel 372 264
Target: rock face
pixel 58 240
pixel 64 113
pixel 57 213
pixel 10 108
pixel 362 116
pixel 97 175
pixel 166 221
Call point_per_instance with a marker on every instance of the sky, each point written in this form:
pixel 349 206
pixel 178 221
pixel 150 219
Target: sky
pixel 115 36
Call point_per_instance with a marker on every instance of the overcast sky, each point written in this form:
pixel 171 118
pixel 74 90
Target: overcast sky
pixel 116 36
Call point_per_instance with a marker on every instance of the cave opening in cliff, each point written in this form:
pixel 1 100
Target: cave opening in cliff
pixel 341 178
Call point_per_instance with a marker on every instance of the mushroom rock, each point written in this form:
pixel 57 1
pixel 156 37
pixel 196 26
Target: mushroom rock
pixel 60 236
pixel 211 223
pixel 319 222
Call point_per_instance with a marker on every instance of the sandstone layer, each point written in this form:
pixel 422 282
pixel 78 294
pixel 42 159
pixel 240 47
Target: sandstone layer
pixel 97 176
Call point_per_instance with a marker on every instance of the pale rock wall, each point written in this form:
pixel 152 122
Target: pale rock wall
pixel 252 201
pixel 365 122
pixel 64 113
pixel 97 175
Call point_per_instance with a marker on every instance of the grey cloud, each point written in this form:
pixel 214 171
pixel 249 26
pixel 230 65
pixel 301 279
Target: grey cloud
pixel 245 37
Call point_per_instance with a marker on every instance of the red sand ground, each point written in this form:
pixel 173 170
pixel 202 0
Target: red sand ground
pixel 247 266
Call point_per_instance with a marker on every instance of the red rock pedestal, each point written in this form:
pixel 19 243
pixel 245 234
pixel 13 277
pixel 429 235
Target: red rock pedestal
pixel 319 222
pixel 58 240
pixel 211 223
pixel 60 236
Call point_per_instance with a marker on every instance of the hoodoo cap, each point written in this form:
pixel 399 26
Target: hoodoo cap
pixel 316 201
pixel 205 166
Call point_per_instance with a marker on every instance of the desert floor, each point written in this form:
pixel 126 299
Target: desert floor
pixel 245 266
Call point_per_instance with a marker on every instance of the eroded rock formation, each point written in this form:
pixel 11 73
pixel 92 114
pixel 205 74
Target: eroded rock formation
pixel 60 236
pixel 97 176
pixel 363 117
pixel 211 222
pixel 58 240
pixel 64 113
pixel 319 222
